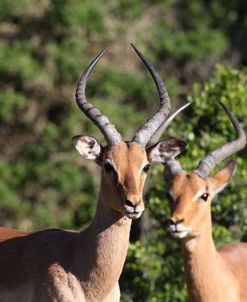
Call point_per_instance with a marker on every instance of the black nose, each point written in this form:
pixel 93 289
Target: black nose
pixel 132 207
pixel 129 203
pixel 173 221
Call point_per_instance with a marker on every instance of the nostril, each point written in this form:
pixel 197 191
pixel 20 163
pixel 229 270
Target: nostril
pixel 129 203
pixel 175 222
pixel 171 222
pixel 179 221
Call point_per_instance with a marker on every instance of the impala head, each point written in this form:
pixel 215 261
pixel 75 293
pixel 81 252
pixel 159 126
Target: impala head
pixel 190 194
pixel 125 163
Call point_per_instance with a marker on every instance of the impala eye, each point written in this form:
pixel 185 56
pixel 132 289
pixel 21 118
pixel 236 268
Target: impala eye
pixel 204 196
pixel 146 168
pixel 109 168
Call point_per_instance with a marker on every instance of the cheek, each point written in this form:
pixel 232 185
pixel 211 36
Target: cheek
pixel 111 184
pixel 110 178
pixel 116 196
pixel 142 205
pixel 142 181
pixel 199 214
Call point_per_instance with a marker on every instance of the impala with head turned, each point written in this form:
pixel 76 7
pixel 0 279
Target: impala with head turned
pixel 69 266
pixel 211 275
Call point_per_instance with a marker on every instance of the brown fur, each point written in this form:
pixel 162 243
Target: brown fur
pixel 70 266
pixel 129 159
pixel 7 233
pixel 211 275
pixel 65 266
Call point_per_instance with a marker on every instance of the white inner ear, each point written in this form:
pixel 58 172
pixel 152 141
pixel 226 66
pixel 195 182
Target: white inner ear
pixel 220 188
pixel 87 146
pixel 161 154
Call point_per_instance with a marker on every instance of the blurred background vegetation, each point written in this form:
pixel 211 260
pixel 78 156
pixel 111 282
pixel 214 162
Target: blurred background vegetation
pixel 198 48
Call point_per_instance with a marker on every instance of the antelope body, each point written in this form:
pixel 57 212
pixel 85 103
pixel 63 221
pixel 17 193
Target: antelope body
pixel 70 266
pixel 211 275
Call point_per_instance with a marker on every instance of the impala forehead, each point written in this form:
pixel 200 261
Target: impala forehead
pixel 189 185
pixel 126 155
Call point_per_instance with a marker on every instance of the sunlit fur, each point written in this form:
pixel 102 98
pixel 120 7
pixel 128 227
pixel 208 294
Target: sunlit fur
pixel 128 181
pixel 194 213
pixel 7 233
pixel 70 266
pixel 211 275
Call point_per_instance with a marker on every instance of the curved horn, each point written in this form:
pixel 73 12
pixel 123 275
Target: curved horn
pixel 147 130
pixel 173 167
pixel 214 157
pixel 156 136
pixel 101 121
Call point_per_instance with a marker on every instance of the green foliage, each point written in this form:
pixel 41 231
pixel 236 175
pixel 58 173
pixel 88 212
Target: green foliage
pixel 155 265
pixel 44 45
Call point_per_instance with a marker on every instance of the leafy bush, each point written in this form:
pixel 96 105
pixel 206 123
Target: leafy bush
pixel 44 45
pixel 154 264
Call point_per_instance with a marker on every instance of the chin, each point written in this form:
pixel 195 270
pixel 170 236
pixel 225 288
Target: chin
pixel 133 215
pixel 180 235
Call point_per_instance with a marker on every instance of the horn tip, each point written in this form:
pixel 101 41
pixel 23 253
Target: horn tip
pixel 136 49
pixel 103 52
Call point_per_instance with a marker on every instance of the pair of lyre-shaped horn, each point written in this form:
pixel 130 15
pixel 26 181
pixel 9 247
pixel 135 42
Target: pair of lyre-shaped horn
pixel 151 131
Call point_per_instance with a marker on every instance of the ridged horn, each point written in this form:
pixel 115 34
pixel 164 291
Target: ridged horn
pixel 214 157
pixel 101 121
pixel 143 135
pixel 173 168
pixel 156 136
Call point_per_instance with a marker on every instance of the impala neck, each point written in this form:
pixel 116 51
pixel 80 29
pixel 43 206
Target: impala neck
pixel 103 249
pixel 202 263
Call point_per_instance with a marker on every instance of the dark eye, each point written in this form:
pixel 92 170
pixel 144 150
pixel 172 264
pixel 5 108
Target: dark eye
pixel 146 168
pixel 109 168
pixel 169 197
pixel 204 196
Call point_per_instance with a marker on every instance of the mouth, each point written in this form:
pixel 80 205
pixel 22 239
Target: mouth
pixel 133 212
pixel 178 232
pixel 132 215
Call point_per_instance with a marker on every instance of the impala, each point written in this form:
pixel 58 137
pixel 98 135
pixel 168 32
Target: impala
pixel 211 275
pixel 68 266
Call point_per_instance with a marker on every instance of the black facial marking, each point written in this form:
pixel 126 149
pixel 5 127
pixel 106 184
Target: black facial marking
pixel 169 197
pixel 109 168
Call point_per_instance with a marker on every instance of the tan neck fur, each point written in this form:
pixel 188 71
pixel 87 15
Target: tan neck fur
pixel 105 251
pixel 66 266
pixel 211 275
pixel 199 257
pixel 208 277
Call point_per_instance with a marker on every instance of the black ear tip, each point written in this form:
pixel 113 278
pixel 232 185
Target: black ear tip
pixel 75 139
pixel 175 143
pixel 182 144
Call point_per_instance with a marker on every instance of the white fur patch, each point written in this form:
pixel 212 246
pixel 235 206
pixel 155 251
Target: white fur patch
pixel 87 146
pixel 198 194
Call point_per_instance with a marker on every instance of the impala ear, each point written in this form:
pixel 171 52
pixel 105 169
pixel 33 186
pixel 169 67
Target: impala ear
pixel 87 146
pixel 165 150
pixel 221 178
